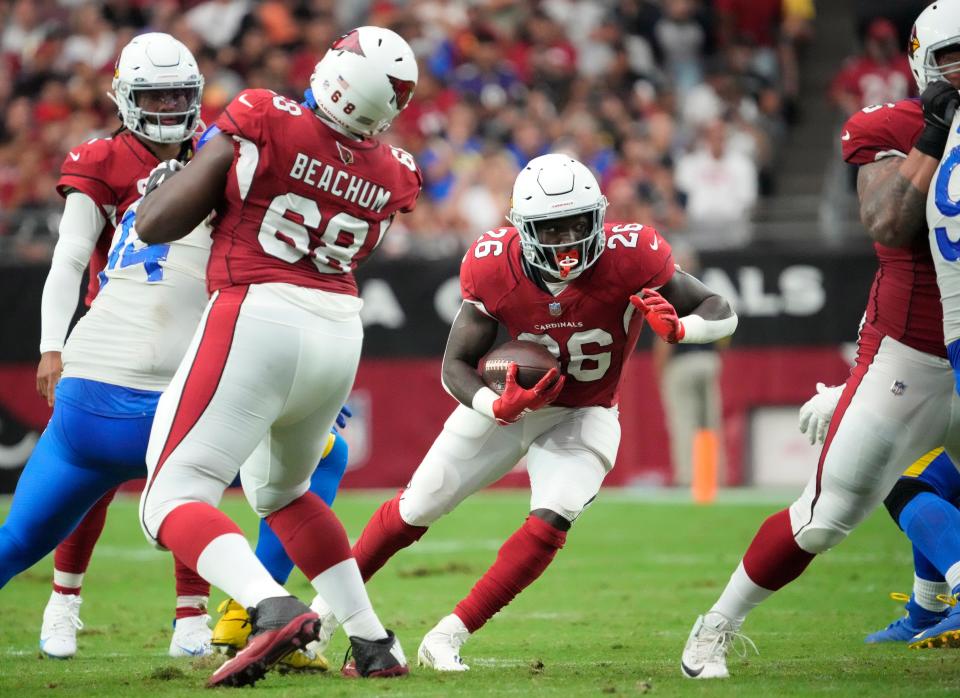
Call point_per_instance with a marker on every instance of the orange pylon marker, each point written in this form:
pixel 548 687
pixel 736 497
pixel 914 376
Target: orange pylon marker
pixel 704 484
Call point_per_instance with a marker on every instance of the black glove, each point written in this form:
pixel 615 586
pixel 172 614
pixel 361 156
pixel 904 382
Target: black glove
pixel 166 169
pixel 940 100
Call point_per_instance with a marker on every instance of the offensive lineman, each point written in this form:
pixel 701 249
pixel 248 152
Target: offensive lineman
pixel 564 278
pixel 302 196
pixel 923 503
pixel 897 403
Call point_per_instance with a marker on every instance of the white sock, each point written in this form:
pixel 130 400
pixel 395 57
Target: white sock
pixel 341 586
pixel 452 624
pixel 193 602
pixel 740 596
pixel 68 580
pixel 953 577
pixel 228 563
pixel 925 593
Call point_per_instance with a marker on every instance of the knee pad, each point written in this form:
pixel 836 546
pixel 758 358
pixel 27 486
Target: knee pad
pixel 903 492
pixel 819 540
pixel 418 509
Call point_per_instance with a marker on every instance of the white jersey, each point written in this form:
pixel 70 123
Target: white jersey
pixel 943 217
pixel 145 314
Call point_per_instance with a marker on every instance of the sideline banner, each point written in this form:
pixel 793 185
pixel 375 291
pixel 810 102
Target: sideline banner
pixel 797 309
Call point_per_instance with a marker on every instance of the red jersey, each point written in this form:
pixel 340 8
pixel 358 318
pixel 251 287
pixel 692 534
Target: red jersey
pixel 304 204
pixel 113 172
pixel 590 325
pixel 904 301
pixel 875 83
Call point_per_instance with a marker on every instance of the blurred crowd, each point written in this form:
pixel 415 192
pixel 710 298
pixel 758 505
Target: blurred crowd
pixel 678 105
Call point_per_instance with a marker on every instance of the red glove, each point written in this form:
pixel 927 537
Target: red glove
pixel 516 401
pixel 660 314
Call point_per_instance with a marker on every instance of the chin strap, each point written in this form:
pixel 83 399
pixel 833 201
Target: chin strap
pixel 308 99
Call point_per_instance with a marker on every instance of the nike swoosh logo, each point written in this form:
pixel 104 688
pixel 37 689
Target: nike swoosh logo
pixel 845 136
pixel 243 98
pixel 655 244
pixel 690 672
pixel 75 156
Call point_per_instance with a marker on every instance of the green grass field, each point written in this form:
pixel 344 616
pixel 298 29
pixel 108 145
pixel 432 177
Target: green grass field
pixel 609 617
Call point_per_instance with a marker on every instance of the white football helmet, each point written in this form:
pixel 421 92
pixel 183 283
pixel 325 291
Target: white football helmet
pixel 157 61
pixel 557 186
pixel 937 27
pixel 366 78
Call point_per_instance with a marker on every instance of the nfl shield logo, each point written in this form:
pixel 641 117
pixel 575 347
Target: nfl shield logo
pixel 898 387
pixel 554 308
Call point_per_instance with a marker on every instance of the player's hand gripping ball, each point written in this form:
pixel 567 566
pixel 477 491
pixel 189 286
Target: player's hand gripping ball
pixel 533 362
pixel 525 375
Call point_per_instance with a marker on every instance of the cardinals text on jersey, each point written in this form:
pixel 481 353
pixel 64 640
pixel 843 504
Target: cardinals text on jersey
pixel 590 326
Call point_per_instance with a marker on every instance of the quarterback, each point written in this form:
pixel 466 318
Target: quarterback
pixel 582 287
pixel 898 402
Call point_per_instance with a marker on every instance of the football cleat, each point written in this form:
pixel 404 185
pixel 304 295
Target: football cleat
pixel 946 633
pixel 305 660
pixel 440 648
pixel 328 624
pixel 281 625
pixel 914 622
pixel 61 621
pixel 191 637
pixel 369 659
pixel 233 628
pixel 710 640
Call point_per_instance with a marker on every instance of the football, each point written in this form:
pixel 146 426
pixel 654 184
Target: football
pixel 533 362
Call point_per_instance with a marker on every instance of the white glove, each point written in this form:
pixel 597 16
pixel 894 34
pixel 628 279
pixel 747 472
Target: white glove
pixel 816 413
pixel 161 173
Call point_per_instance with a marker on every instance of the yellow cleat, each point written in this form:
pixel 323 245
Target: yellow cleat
pixel 233 628
pixel 303 660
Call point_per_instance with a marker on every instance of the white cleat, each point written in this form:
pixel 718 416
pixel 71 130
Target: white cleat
pixel 328 625
pixel 705 654
pixel 61 621
pixel 440 648
pixel 191 637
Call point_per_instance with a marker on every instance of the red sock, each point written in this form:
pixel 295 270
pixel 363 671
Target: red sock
pixel 190 528
pixel 383 536
pixel 311 534
pixel 520 561
pixel 73 554
pixel 774 559
pixel 193 591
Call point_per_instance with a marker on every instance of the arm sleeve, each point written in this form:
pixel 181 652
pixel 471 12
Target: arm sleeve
pixel 80 227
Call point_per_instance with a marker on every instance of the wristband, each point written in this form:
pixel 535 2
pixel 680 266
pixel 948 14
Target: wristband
pixel 932 141
pixel 483 401
pixel 697 330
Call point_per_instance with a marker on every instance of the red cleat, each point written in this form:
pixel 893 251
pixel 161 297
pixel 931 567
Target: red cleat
pixel 281 625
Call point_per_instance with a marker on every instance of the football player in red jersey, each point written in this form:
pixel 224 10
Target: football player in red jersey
pixel 302 195
pixel 156 87
pixel 896 404
pixel 581 287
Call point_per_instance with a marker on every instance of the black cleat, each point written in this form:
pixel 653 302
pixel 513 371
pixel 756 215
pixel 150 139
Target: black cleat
pixel 375 658
pixel 281 625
